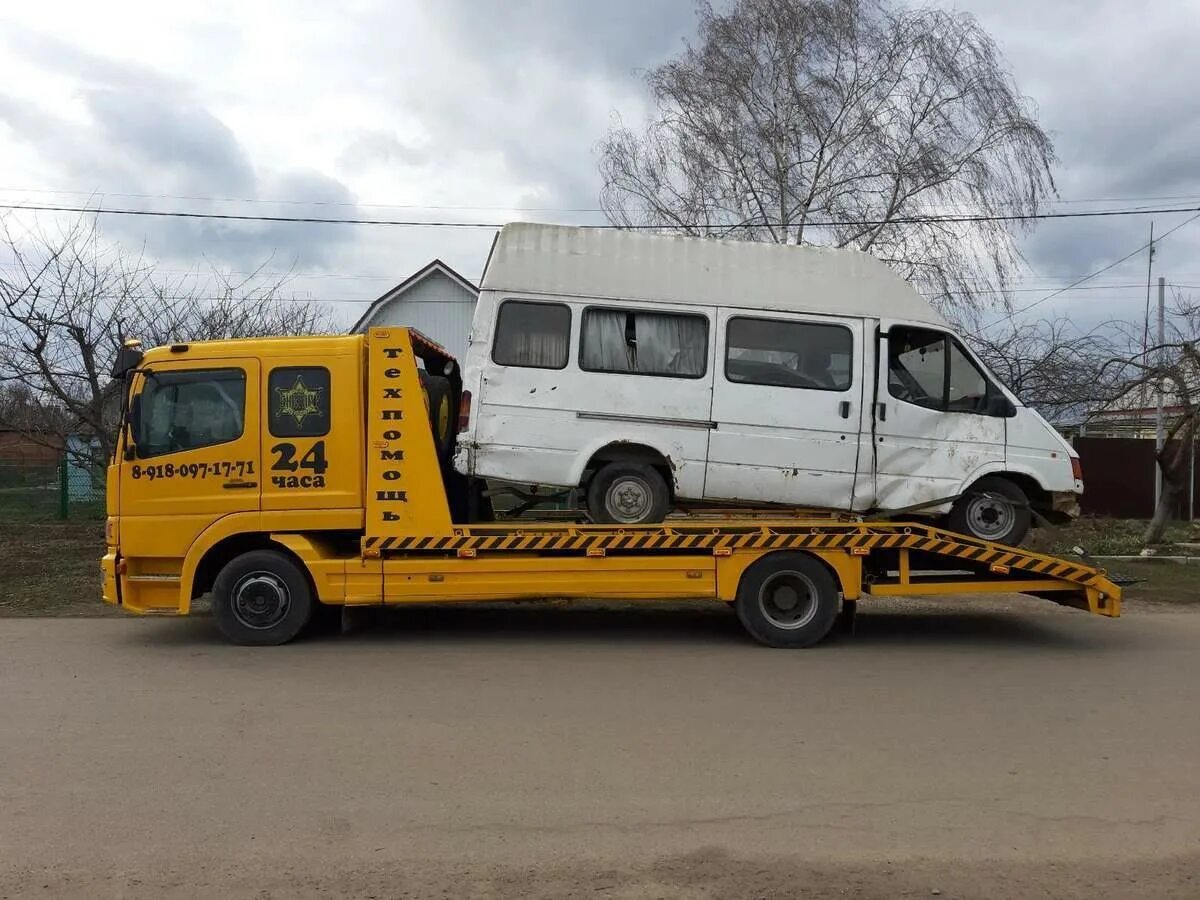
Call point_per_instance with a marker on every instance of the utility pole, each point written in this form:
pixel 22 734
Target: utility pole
pixel 1158 418
pixel 1149 270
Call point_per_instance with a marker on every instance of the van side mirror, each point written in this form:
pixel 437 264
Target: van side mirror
pixel 1000 406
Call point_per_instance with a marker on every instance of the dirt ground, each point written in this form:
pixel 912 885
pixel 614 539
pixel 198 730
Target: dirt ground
pixel 961 749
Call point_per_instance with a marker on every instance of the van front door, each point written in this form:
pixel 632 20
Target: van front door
pixel 934 433
pixel 787 398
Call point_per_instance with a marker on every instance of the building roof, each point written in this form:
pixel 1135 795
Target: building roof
pixel 437 266
pixel 595 262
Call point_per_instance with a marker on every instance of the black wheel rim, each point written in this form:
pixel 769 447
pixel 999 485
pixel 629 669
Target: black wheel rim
pixel 788 600
pixel 261 600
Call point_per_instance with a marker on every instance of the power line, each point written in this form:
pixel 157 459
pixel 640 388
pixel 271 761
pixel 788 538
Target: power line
pixel 316 220
pixel 570 209
pixel 1092 275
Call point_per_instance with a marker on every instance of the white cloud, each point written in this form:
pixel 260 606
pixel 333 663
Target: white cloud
pixel 497 106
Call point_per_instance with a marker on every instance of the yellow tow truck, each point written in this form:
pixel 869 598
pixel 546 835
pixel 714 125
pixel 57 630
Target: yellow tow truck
pixel 288 477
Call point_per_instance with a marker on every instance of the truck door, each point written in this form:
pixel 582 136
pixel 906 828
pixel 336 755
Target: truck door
pixel 195 430
pixel 787 400
pixel 934 433
pixel 312 442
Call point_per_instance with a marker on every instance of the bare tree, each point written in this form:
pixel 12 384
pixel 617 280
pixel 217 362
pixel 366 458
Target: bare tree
pixel 1175 367
pixel 1064 374
pixel 849 123
pixel 67 301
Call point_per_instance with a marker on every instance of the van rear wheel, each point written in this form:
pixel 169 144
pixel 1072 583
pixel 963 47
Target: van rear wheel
pixel 627 493
pixel 992 509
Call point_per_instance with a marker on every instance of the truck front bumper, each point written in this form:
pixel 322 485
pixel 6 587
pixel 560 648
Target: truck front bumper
pixel 108 577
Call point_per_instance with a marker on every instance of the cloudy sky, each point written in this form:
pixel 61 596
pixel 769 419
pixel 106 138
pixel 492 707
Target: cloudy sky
pixel 485 111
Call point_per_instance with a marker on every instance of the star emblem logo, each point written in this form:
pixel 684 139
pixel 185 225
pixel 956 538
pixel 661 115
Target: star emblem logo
pixel 299 401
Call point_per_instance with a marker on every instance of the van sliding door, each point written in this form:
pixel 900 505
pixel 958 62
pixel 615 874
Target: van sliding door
pixel 787 401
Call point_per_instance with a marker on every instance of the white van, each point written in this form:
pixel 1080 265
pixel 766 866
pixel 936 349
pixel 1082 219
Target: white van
pixel 653 370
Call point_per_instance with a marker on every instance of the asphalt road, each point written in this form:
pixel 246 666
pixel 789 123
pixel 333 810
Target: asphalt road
pixel 1012 749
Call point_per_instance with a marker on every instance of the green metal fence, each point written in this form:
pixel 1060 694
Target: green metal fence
pixel 41 489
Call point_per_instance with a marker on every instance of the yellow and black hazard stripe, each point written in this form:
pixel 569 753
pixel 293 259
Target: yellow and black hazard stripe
pixel 854 538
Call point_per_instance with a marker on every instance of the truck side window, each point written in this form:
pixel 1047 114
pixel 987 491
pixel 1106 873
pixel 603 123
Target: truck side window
pixel 298 401
pixel 184 410
pixel 789 354
pixel 532 335
pixel 643 343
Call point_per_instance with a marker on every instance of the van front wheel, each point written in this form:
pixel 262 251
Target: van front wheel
pixel 992 509
pixel 624 493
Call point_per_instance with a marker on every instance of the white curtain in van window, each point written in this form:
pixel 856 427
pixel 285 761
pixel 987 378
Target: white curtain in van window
pixel 662 344
pixel 670 345
pixel 604 347
pixel 539 349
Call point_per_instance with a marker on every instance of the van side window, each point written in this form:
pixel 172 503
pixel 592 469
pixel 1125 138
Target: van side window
pixel 532 335
pixel 789 354
pixel 644 343
pixel 917 366
pixel 931 369
pixel 967 388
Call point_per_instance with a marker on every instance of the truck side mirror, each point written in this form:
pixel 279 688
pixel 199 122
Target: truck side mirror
pixel 129 356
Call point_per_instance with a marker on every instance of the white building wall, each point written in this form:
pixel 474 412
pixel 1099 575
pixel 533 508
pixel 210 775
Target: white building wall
pixel 437 307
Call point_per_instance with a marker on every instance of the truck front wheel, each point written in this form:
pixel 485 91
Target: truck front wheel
pixel 261 598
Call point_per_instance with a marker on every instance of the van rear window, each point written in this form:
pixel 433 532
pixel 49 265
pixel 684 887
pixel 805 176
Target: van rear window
pixel 784 353
pixel 532 335
pixel 644 343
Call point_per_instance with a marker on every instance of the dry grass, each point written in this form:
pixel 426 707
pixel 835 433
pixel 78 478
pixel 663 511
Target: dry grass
pixel 1108 537
pixel 51 569
pixel 1161 581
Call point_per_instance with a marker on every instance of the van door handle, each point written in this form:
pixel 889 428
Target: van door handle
pixel 844 409
pixel 882 411
pixel 235 485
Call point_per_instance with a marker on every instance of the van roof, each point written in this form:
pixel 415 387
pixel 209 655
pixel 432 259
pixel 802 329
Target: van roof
pixel 530 258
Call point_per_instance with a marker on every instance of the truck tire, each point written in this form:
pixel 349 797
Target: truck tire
pixel 261 598
pixel 992 509
pixel 627 493
pixel 441 416
pixel 787 599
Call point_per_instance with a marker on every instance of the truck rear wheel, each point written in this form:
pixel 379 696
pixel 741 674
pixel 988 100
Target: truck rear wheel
pixel 261 598
pixel 787 599
pixel 992 509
